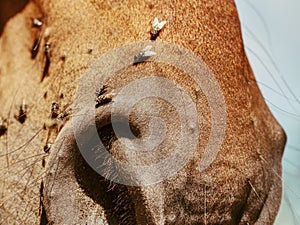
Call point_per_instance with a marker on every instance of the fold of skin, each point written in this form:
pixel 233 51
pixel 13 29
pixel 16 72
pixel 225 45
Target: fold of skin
pixel 241 186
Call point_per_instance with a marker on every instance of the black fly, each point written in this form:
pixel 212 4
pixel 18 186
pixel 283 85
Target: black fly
pixel 36 45
pixel 54 110
pixel 47 148
pixel 36 23
pixel 47 49
pixel 22 115
pixel 102 99
pixel 3 126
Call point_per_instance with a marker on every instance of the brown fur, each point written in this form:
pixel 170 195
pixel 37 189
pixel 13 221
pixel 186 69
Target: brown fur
pixel 240 187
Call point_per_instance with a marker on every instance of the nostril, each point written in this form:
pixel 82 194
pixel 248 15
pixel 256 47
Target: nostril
pixel 114 198
pixel 122 128
pixel 72 184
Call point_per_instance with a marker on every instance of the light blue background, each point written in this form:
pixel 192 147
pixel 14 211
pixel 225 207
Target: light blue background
pixel 273 26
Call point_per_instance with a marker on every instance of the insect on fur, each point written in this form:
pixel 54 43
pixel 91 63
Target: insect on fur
pixel 54 110
pixel 47 49
pixel 22 115
pixel 156 28
pixel 144 54
pixel 3 126
pixel 47 147
pixel 36 22
pixel 57 117
pixel 102 97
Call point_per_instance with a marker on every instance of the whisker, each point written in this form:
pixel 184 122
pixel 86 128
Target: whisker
pixel 19 195
pixel 290 90
pixel 30 157
pixel 31 172
pixel 28 166
pixel 292 163
pixel 22 175
pixel 22 146
pixel 293 147
pixel 18 154
pixel 260 199
pixel 29 214
pixel 27 183
pixel 254 37
pixel 281 179
pixel 62 141
pixel 272 89
pixel 271 75
pixel 282 110
pixel 24 190
pixel 9 215
pixel 261 18
pixel 7 132
pixel 21 191
pixel 16 215
pixel 295 215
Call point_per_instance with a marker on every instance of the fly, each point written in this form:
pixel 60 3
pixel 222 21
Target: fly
pixel 156 28
pixel 143 55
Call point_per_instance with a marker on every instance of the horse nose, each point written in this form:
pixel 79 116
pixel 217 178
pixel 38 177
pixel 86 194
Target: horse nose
pixel 74 165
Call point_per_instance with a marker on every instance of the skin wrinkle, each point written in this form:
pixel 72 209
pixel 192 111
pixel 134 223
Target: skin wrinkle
pixel 211 30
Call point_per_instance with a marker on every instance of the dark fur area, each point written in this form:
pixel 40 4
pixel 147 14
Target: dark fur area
pixel 115 198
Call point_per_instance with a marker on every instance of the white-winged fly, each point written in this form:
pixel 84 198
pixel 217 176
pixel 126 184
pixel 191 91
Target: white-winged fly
pixel 156 28
pixel 143 55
